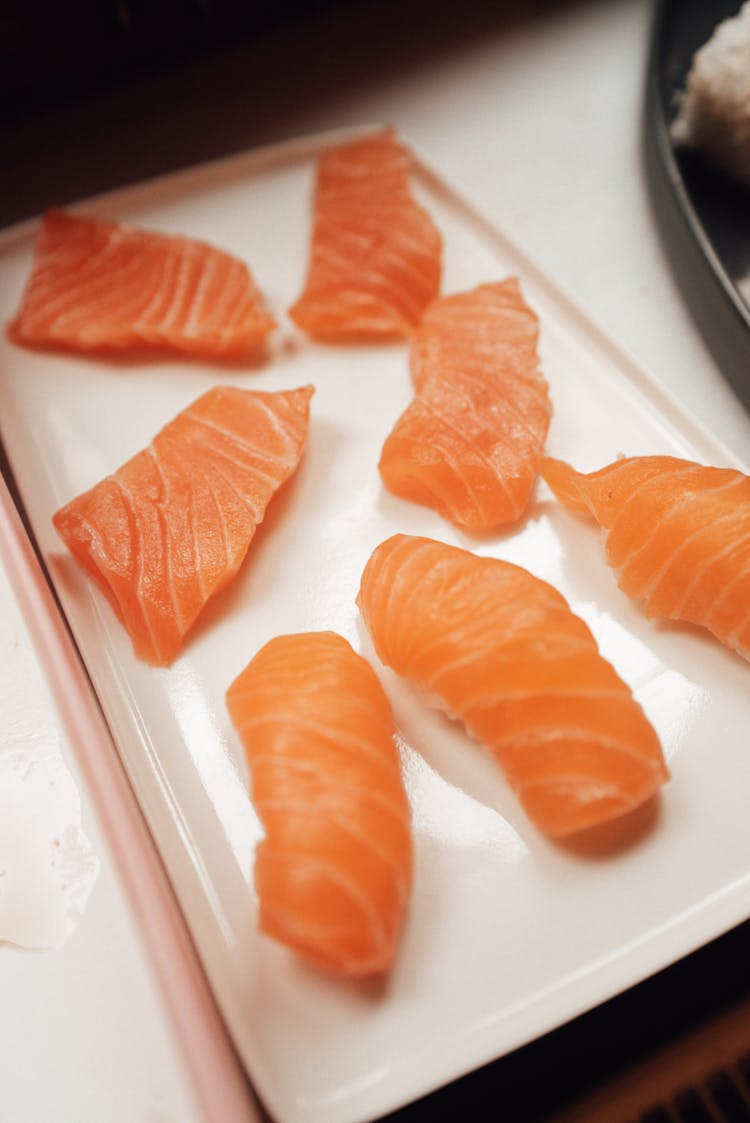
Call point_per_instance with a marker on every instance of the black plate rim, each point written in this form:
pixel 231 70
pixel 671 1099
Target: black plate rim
pixel 727 334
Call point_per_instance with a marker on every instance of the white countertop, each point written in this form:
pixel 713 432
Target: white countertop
pixel 82 1037
pixel 540 125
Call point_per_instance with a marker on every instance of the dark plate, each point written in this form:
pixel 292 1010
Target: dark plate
pixel 702 213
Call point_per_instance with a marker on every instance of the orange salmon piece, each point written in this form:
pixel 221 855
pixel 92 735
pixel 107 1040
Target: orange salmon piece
pixel 102 287
pixel 376 254
pixel 334 871
pixel 171 527
pixel 506 655
pixel 677 534
pixel 470 443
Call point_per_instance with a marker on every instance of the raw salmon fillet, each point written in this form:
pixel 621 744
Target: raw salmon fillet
pixel 677 533
pixel 470 443
pixel 506 656
pixel 172 526
pixel 101 286
pixel 333 873
pixel 376 255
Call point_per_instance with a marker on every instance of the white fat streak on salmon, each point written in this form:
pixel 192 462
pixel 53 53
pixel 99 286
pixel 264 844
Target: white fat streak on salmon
pixel 361 794
pixel 281 411
pixel 632 503
pixel 230 550
pixel 543 733
pixel 140 572
pixel 223 454
pixel 353 743
pixel 342 179
pixel 511 388
pixel 484 322
pixel 485 698
pixel 96 549
pixel 388 592
pixel 620 467
pixel 234 551
pixel 352 311
pixel 684 502
pixel 411 241
pixel 144 292
pixel 192 517
pixel 256 511
pixel 235 312
pixel 458 468
pixel 479 648
pixel 488 309
pixel 485 636
pixel 61 260
pixel 196 321
pixel 378 154
pixel 411 237
pixel 64 305
pixel 115 291
pixel 354 176
pixel 162 284
pixel 481 358
pixel 344 240
pixel 733 639
pixel 718 601
pixel 691 504
pixel 284 461
pixel 233 555
pixel 221 318
pixel 123 293
pixel 376 283
pixel 353 890
pixel 485 347
pixel 586 789
pixel 342 821
pixel 161 504
pixel 348 249
pixel 395 284
pixel 191 264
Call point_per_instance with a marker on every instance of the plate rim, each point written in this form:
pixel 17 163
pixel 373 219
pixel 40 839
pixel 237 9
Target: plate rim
pixel 697 267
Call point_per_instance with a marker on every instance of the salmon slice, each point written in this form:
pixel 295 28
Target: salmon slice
pixel 470 443
pixel 333 873
pixel 172 526
pixel 376 254
pixel 506 655
pixel 101 286
pixel 677 533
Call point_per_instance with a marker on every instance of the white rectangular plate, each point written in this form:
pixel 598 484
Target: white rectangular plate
pixel 508 934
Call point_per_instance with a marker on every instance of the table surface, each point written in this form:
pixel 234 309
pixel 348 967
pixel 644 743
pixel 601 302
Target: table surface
pixel 534 112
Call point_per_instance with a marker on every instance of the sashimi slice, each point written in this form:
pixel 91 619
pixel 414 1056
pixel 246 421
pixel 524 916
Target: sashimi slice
pixel 333 873
pixel 677 533
pixel 99 286
pixel 470 443
pixel 506 655
pixel 171 527
pixel 375 259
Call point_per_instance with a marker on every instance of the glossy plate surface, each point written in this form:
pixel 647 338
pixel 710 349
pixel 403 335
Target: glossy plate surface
pixel 508 934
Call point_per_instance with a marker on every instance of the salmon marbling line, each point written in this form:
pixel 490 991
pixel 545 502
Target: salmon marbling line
pixel 472 629
pixel 333 872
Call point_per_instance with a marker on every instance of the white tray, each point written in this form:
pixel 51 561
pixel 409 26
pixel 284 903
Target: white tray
pixel 508 934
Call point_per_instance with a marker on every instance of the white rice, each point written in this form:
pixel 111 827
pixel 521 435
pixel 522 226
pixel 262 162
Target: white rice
pixel 715 110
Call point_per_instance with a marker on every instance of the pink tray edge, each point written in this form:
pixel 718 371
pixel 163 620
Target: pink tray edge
pixel 212 1069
